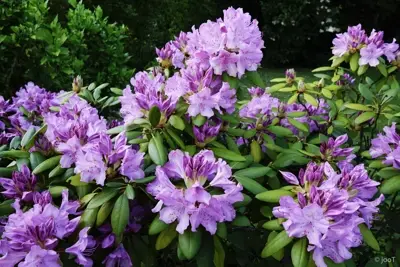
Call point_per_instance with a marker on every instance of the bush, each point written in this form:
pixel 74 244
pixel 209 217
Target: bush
pixel 36 46
pixel 206 165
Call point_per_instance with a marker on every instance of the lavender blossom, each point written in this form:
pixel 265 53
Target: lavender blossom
pixel 21 185
pixel 83 248
pixel 193 204
pixel 207 132
pixel 387 144
pixel 41 258
pixel 118 258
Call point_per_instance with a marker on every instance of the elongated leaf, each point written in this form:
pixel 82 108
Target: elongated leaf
pixel 299 253
pixel 56 191
pixel 320 69
pixel 391 186
pixel 36 158
pixel 369 237
pixel 251 185
pixel 232 146
pixel 120 215
pixel 273 196
pixel 116 130
pixel 157 226
pixel 255 78
pixel 6 208
pixel 280 131
pixel 253 172
pixel 6 172
pixel 365 91
pixel 255 151
pixel 219 253
pixel 273 225
pixel 166 237
pixel 277 243
pixel 27 138
pixel 176 138
pixel 88 217
pixel 190 243
pixel 104 211
pixel 47 164
pixel 227 154
pixel 310 99
pixel 157 151
pixel 177 122
pixel 301 126
pixel 366 116
pixel 154 116
pixel 382 68
pixel 102 197
pixel 280 253
pixel 357 107
pixel 354 62
pixel 14 154
pixel 130 192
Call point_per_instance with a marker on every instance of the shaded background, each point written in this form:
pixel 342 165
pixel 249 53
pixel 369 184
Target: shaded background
pixel 297 33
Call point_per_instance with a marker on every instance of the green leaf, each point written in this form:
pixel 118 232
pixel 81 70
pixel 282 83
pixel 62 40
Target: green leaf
pixel 236 132
pixel 256 151
pixel 382 69
pixel 27 138
pixel 107 194
pixel 273 196
pixel 157 151
pixel 47 164
pixel 299 253
pixel 241 221
pixel 104 211
pixel 176 138
pixel 357 107
pixel 232 146
pixel 14 154
pixel 337 61
pixel 293 98
pixel 310 99
pixel 56 191
pixel 280 253
pixel 320 69
pixel 166 237
pixel 190 243
pixel 6 172
pixel 222 231
pixel 44 35
pixel 219 253
pixel 227 154
pixel 233 81
pixel 249 133
pixel 199 120
pixel 116 91
pixel 255 78
pixel 76 181
pixel 58 170
pixel 144 180
pixel 326 93
pixel 277 243
pixel 253 172
pixel 273 225
pixel 280 131
pixel 36 158
pixel 368 237
pixel 301 126
pixel 6 208
pixel 177 122
pixel 366 116
pixel 130 192
pixel 362 69
pixel 157 226
pixel 354 62
pixel 15 142
pixel 251 185
pixel 88 217
pixel 154 116
pixel 391 186
pixel 120 215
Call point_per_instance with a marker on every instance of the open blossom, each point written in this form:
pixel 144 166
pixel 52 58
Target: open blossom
pixel 35 233
pixel 349 41
pixel 83 248
pixel 174 52
pixel 207 132
pixel 231 44
pixel 387 144
pixel 148 92
pixel 263 107
pixel 370 55
pixel 331 150
pixel 193 204
pixel 330 207
pixel 21 185
pixel 204 93
pixel 118 258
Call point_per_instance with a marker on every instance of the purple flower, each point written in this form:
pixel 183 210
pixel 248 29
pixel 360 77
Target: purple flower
pixel 387 145
pixel 331 150
pixel 132 164
pixel 119 257
pixel 370 55
pixel 91 166
pixel 41 226
pixel 390 50
pixel 21 185
pixel 262 107
pixel 350 41
pixel 202 103
pixel 83 248
pixel 207 132
pixel 193 204
pixel 41 258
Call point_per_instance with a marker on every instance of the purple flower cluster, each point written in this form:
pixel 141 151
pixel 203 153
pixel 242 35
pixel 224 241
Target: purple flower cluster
pixel 207 132
pixel 21 185
pixel 329 208
pixel 263 108
pixel 331 151
pixel 387 144
pixel 231 44
pixel 346 79
pixel 149 92
pixel 35 102
pixel 371 47
pixel 7 131
pixel 34 234
pixel 192 203
pixel 204 93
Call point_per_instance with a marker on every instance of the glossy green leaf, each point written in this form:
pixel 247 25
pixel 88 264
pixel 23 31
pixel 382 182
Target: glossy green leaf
pixel 273 196
pixel 250 185
pixel 14 154
pixel 47 164
pixel 190 243
pixel 227 154
pixel 273 225
pixel 157 226
pixel 157 151
pixel 107 194
pixel 219 253
pixel 130 192
pixel 366 116
pixel 354 62
pixel 390 186
pixel 256 151
pixel 253 172
pixel 280 131
pixel 301 126
pixel 166 237
pixel 299 253
pixel 103 213
pixel 120 215
pixel 278 242
pixel 177 122
pixel 357 107
pixel 368 237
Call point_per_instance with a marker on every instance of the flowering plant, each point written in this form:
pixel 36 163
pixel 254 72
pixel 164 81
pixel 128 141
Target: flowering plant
pixel 201 156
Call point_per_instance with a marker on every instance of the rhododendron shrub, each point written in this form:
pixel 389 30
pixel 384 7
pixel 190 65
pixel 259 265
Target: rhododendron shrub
pixel 199 161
